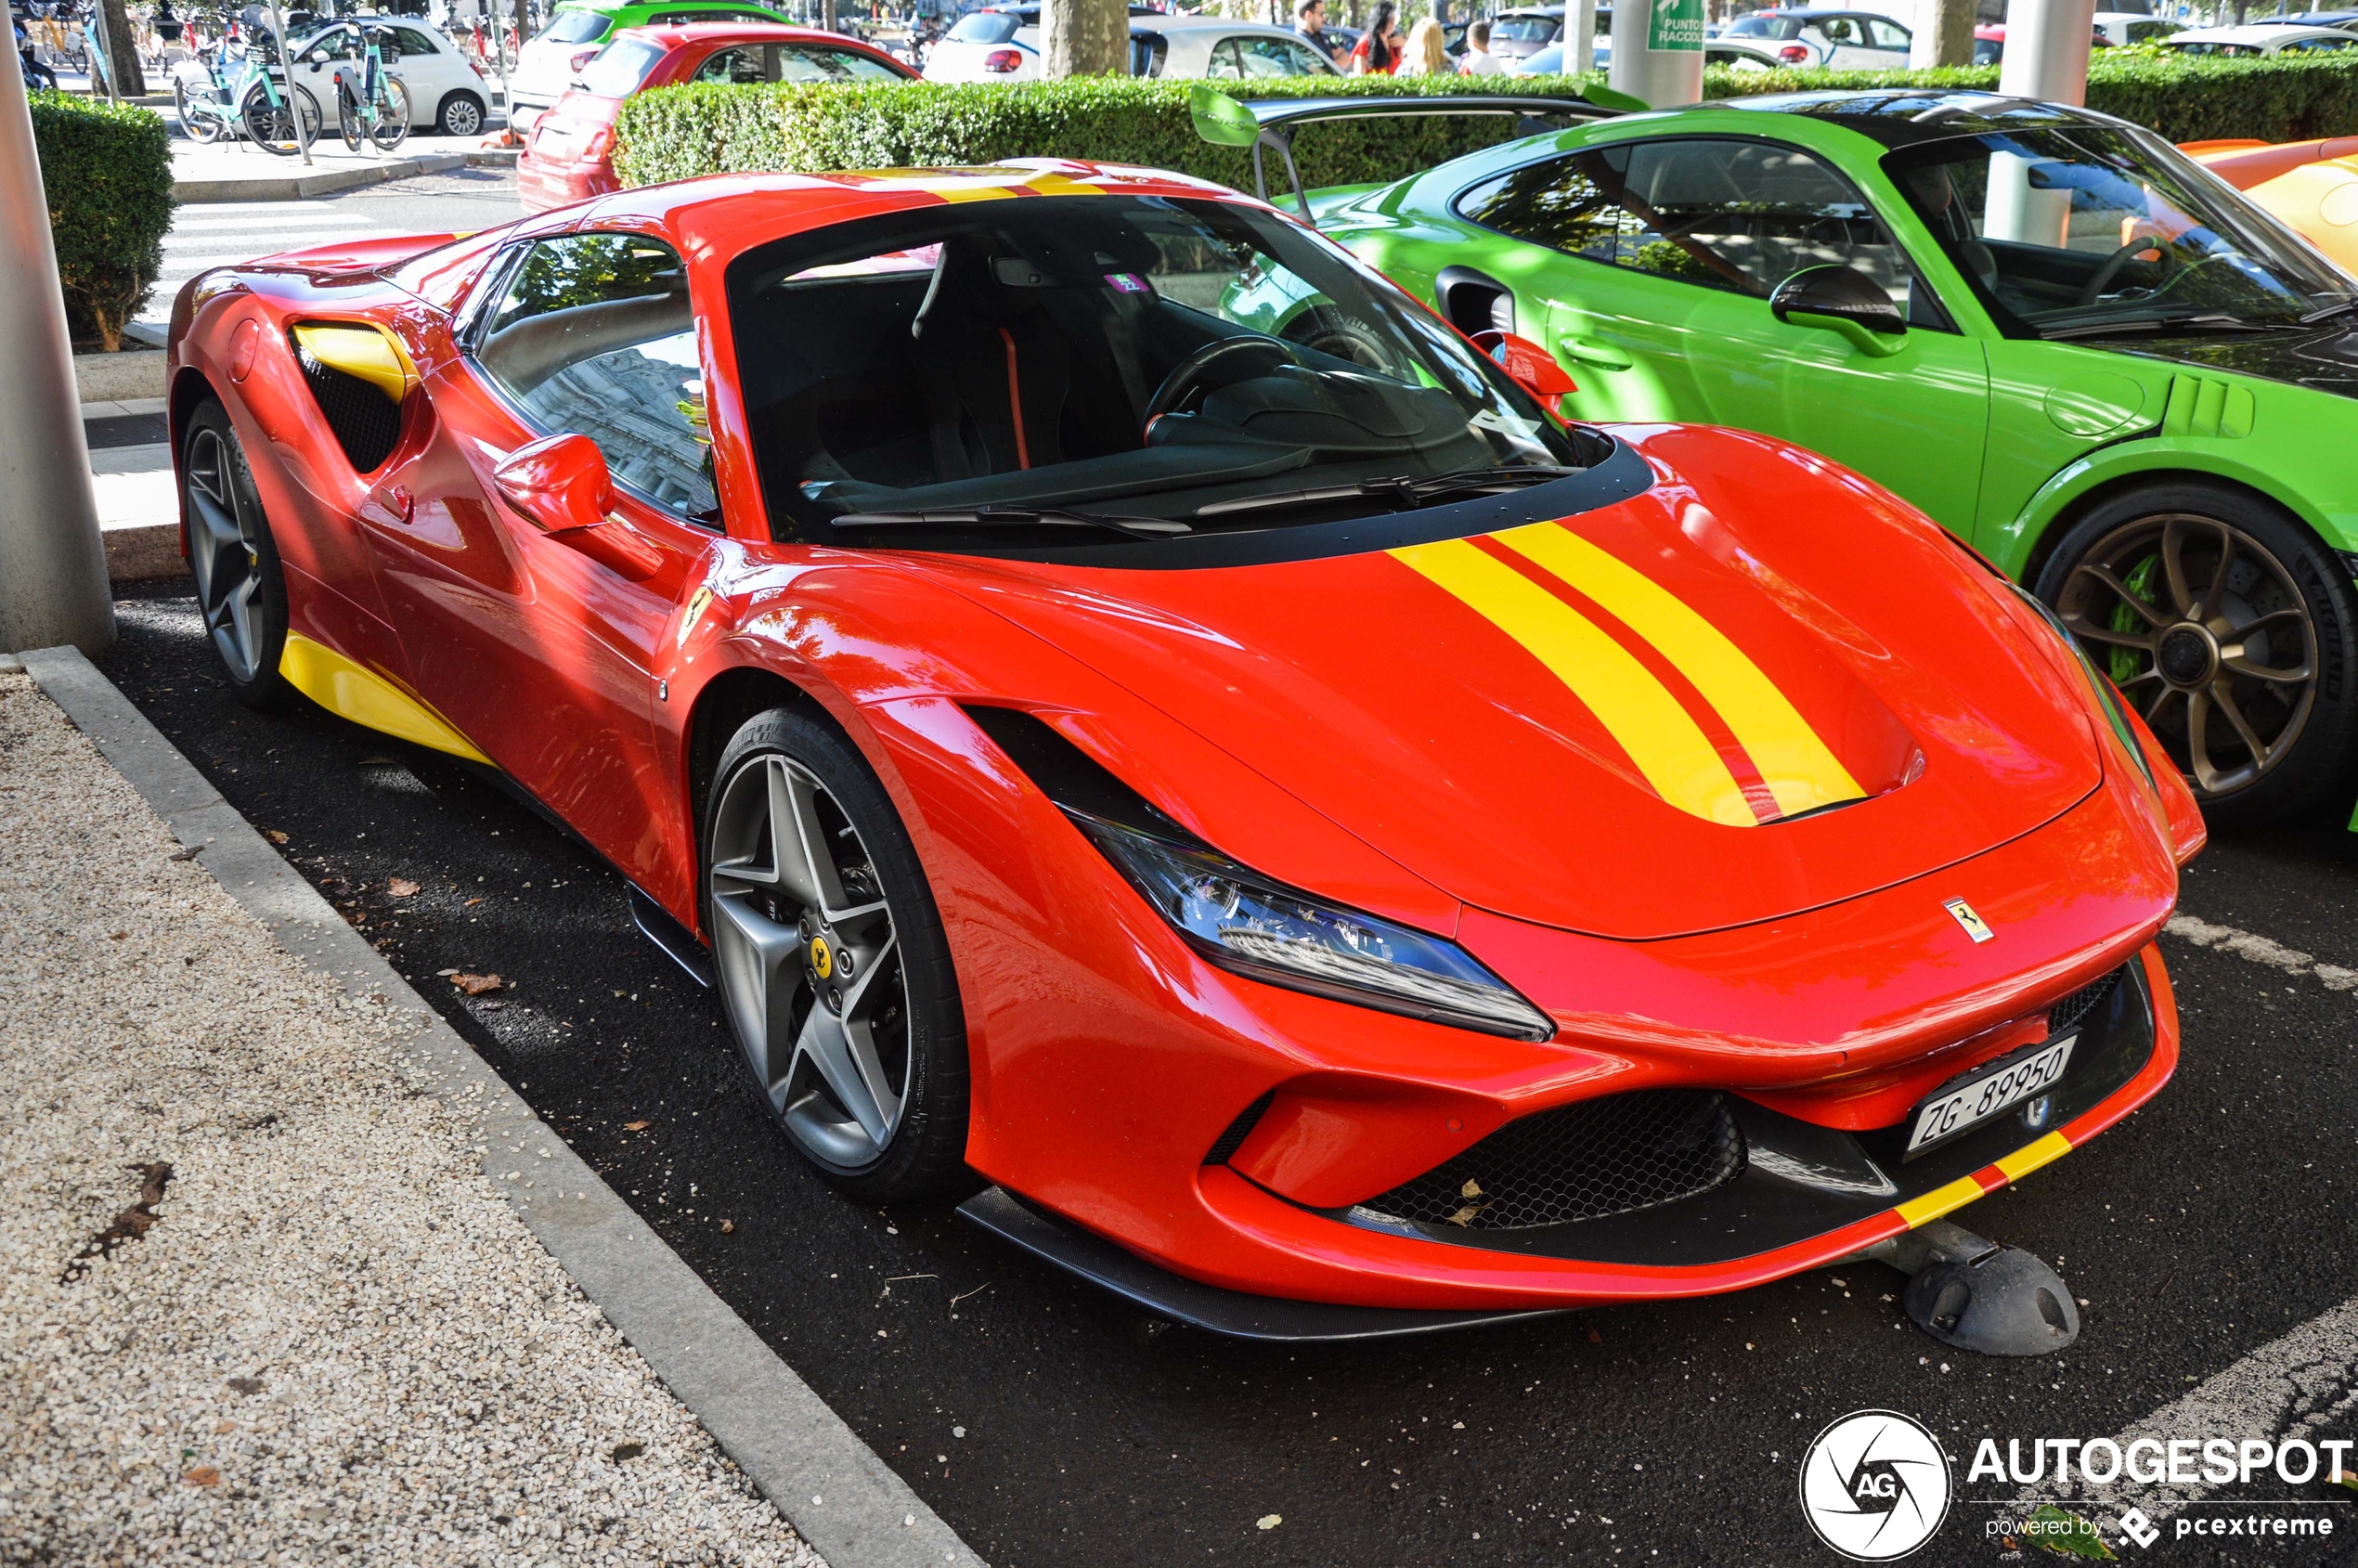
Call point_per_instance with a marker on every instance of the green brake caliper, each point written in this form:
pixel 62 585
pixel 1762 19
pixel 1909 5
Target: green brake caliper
pixel 2122 663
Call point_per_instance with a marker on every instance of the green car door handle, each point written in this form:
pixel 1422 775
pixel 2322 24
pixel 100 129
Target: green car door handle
pixel 1588 351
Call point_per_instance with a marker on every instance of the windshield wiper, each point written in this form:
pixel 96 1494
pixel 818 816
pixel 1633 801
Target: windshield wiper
pixel 1406 492
pixel 1017 517
pixel 2211 322
pixel 2330 312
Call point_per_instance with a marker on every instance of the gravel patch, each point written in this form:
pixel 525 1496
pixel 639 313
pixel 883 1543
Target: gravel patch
pixel 258 1299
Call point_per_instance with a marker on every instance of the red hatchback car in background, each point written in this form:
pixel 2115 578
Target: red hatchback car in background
pixel 570 154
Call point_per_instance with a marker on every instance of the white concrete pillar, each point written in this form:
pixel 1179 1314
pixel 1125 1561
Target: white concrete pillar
pixel 53 564
pixel 2047 43
pixel 1580 37
pixel 1657 51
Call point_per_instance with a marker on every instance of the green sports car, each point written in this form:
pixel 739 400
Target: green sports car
pixel 2047 328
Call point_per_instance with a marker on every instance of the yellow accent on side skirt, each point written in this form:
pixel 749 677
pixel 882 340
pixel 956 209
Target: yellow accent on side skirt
pixel 1801 770
pixel 1669 749
pixel 364 351
pixel 1938 1201
pixel 351 690
pixel 2028 1158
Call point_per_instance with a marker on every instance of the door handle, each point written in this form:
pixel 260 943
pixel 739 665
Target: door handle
pixel 1588 351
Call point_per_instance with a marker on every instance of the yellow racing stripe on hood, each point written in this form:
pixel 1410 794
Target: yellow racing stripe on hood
pixel 1800 770
pixel 1669 749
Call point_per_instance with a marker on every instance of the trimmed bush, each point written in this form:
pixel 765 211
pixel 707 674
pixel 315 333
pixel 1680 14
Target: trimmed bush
pixel 108 172
pixel 676 133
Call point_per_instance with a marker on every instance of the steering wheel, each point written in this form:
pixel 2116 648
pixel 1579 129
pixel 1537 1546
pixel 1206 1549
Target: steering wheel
pixel 1325 330
pixel 2094 289
pixel 1183 380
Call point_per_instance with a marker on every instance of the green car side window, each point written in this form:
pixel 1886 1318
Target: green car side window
pixel 1741 215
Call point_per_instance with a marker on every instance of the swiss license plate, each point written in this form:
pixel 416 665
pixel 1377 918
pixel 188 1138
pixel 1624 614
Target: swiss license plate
pixel 1951 1112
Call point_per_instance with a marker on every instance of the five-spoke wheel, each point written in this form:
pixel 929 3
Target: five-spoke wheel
pixel 833 967
pixel 2228 628
pixel 240 589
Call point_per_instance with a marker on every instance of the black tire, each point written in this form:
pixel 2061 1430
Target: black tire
pixel 461 115
pixel 2288 602
pixel 229 547
pixel 924 1153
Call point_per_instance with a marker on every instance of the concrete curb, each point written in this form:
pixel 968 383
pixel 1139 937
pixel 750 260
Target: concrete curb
pixel 326 182
pixel 830 1485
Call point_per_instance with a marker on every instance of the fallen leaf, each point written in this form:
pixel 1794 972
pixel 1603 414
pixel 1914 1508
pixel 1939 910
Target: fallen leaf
pixel 402 888
pixel 1269 1522
pixel 627 1451
pixel 472 903
pixel 475 985
pixel 203 1475
pixel 189 853
pixel 727 1228
pixel 1465 1215
pixel 246 1385
pixel 223 1428
pixel 636 1127
pixel 2066 1535
pixel 1597 1339
pixel 117 936
pixel 274 835
pixel 1471 1189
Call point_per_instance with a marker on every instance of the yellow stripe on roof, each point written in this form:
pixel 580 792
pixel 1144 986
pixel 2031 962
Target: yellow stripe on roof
pixel 1668 746
pixel 1801 770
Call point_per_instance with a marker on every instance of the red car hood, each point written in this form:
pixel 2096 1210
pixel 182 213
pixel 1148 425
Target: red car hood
pixel 1761 686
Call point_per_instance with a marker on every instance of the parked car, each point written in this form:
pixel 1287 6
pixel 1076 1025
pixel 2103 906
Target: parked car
pixel 1526 30
pixel 2344 19
pixel 1830 40
pixel 2310 187
pixel 1220 49
pixel 2258 41
pixel 1547 59
pixel 569 155
pixel 1990 44
pixel 2122 381
pixel 952 619
pixel 2123 28
pixel 446 93
pixel 544 67
pixel 1002 44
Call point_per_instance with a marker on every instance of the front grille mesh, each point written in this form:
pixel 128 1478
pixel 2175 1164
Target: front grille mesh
pixel 2069 1013
pixel 1580 1161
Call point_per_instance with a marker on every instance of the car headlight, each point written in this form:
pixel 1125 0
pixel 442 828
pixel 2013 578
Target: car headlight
pixel 1253 926
pixel 2107 698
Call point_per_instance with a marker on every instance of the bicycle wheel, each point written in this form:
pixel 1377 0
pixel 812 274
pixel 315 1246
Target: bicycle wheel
pixel 389 127
pixel 197 121
pixel 347 116
pixel 272 125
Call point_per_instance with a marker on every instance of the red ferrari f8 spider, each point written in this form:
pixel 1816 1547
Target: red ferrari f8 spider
pixel 1303 822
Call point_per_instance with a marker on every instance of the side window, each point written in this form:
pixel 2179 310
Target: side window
pixel 1882 34
pixel 1563 203
pixel 799 62
pixel 411 41
pixel 739 65
pixel 1270 56
pixel 592 334
pixel 1838 31
pixel 1225 61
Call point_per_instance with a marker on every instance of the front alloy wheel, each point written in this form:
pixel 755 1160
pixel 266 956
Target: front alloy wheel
pixel 833 968
pixel 241 591
pixel 2228 628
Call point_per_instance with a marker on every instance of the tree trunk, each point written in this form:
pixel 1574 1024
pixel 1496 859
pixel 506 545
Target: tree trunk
pixel 1085 38
pixel 123 51
pixel 1944 33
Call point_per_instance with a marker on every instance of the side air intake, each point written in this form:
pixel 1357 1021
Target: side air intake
pixel 365 418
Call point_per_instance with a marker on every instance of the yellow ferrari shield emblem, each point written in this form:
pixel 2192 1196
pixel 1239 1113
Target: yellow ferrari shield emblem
pixel 820 959
pixel 1975 927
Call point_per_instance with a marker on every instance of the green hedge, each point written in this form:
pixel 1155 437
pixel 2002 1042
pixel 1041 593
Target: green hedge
pixel 108 172
pixel 675 133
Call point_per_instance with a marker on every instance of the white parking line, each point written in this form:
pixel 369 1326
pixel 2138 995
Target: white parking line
pixel 2260 950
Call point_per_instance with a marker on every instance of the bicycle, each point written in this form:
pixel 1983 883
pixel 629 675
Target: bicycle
pixel 247 101
pixel 377 104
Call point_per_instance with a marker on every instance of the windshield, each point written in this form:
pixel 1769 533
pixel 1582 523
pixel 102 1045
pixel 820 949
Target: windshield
pixel 2082 230
pixel 985 27
pixel 1135 356
pixel 1765 27
pixel 1525 29
pixel 620 67
pixel 570 26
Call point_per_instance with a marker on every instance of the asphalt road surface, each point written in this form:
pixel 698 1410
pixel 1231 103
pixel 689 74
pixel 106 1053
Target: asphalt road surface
pixel 1051 1425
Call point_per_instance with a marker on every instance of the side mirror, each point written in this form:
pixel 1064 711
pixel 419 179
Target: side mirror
pixel 1532 367
pixel 560 482
pixel 1836 299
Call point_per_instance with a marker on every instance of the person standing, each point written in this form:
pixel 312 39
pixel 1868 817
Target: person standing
pixel 1378 51
pixel 1479 60
pixel 1426 53
pixel 1310 20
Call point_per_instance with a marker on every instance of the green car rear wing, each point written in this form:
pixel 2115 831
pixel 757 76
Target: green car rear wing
pixel 1271 123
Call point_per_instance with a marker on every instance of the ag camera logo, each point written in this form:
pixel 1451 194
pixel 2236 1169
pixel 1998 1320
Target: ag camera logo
pixel 1874 1485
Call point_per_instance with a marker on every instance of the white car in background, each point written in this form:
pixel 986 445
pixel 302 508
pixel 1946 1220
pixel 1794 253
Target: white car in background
pixel 546 66
pixel 2260 39
pixel 2121 29
pixel 1002 44
pixel 447 93
pixel 1833 40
